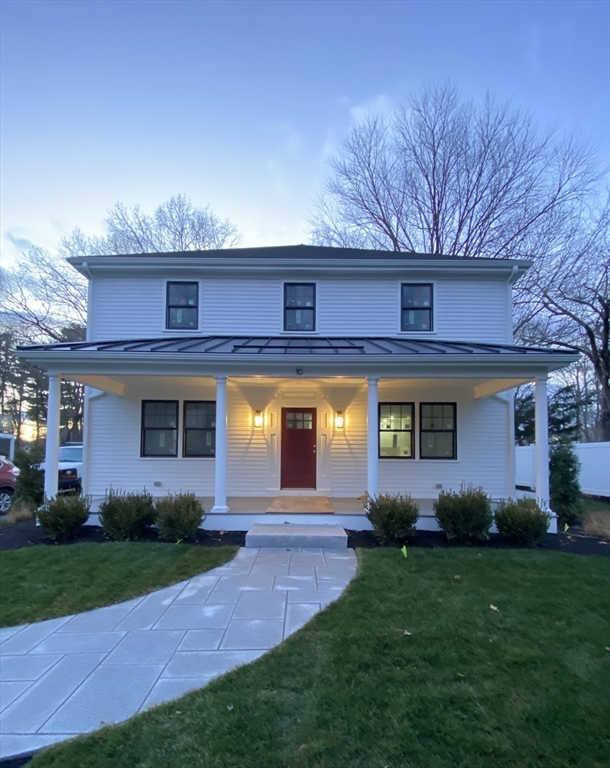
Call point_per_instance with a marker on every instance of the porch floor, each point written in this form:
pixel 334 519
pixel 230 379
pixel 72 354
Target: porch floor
pixel 272 505
pixel 317 505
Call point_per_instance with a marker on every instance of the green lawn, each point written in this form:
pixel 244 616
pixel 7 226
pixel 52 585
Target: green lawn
pixel 596 505
pixel 596 517
pixel 522 686
pixel 44 582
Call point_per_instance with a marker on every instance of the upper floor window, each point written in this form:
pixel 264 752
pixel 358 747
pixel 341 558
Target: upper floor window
pixel 182 306
pixel 299 306
pixel 437 431
pixel 416 307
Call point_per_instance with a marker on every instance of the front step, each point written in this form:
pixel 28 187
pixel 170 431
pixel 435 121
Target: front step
pixel 294 536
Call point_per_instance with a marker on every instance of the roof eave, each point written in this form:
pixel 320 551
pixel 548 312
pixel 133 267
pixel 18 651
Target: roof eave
pixel 56 361
pixel 92 266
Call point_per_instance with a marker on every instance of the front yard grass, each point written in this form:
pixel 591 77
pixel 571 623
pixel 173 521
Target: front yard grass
pixel 451 657
pixel 596 517
pixel 45 582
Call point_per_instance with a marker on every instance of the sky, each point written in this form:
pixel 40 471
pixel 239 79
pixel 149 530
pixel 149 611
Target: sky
pixel 240 105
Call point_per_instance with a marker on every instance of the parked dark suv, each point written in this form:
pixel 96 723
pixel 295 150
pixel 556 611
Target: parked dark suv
pixel 8 483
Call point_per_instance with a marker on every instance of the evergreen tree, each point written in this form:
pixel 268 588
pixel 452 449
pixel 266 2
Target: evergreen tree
pixel 566 494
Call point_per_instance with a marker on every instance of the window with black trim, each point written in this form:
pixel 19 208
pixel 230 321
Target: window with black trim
pixel 182 306
pixel 416 307
pixel 199 428
pixel 437 435
pixel 159 428
pixel 299 306
pixel 396 430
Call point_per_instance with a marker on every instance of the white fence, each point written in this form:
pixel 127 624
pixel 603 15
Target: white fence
pixel 594 470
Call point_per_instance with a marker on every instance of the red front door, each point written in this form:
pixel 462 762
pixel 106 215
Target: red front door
pixel 298 447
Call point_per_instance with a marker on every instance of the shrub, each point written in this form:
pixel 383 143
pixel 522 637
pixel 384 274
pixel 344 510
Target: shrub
pixel 392 516
pixel 178 516
pixel 30 488
pixel 565 483
pixel 464 515
pixel 522 521
pixel 62 516
pixel 126 515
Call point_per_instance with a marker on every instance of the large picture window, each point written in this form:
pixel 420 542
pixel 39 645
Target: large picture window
pixel 182 306
pixel 437 431
pixel 299 306
pixel 396 430
pixel 159 428
pixel 199 428
pixel 416 307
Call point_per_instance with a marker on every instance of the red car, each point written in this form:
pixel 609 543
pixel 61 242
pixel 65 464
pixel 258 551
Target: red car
pixel 8 483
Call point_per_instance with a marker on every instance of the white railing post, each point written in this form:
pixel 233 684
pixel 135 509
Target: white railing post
pixel 51 472
pixel 372 437
pixel 220 470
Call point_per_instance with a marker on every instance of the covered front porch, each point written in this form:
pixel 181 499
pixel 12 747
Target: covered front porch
pixel 384 415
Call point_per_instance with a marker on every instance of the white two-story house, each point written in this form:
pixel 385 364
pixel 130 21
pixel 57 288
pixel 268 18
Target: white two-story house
pixel 284 383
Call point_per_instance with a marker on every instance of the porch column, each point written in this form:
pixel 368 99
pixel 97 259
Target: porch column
pixel 220 478
pixel 542 443
pixel 52 442
pixel 373 438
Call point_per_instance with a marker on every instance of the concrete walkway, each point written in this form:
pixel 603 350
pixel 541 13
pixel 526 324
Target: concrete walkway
pixel 72 675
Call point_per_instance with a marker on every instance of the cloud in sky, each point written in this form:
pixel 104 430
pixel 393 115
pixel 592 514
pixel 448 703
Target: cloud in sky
pixel 19 242
pixel 379 105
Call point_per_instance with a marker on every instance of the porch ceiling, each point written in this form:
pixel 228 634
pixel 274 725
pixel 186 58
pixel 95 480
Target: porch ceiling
pixel 120 384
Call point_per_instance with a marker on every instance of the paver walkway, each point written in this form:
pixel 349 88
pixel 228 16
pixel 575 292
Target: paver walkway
pixel 72 675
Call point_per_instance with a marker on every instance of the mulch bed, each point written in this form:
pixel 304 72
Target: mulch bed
pixel 27 534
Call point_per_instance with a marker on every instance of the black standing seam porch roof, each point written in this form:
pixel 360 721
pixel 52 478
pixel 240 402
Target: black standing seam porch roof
pixel 296 345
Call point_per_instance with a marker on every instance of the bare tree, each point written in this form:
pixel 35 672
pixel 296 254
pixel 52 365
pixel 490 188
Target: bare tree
pixel 573 288
pixel 42 296
pixel 443 176
pixel 176 225
pixel 43 299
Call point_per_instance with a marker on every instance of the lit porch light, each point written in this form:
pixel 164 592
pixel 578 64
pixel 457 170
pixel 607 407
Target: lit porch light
pixel 339 420
pixel 258 419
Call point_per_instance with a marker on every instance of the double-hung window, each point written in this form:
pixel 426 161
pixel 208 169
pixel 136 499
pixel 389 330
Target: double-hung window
pixel 199 428
pixel 416 307
pixel 299 306
pixel 396 430
pixel 159 428
pixel 182 306
pixel 437 431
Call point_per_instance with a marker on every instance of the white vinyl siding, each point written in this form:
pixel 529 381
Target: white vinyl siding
pixel 253 455
pixel 464 309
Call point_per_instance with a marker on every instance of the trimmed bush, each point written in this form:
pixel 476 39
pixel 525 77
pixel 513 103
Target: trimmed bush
pixel 62 516
pixel 522 521
pixel 126 515
pixel 178 516
pixel 30 488
pixel 565 499
pixel 464 515
pixel 393 516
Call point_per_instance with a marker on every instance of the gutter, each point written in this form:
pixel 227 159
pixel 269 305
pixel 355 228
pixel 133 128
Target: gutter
pixel 490 360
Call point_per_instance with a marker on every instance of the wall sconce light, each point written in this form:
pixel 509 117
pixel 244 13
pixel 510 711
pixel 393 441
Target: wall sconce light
pixel 258 419
pixel 339 420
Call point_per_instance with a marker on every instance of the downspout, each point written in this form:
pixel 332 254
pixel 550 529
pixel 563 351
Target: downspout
pixel 510 396
pixel 88 392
